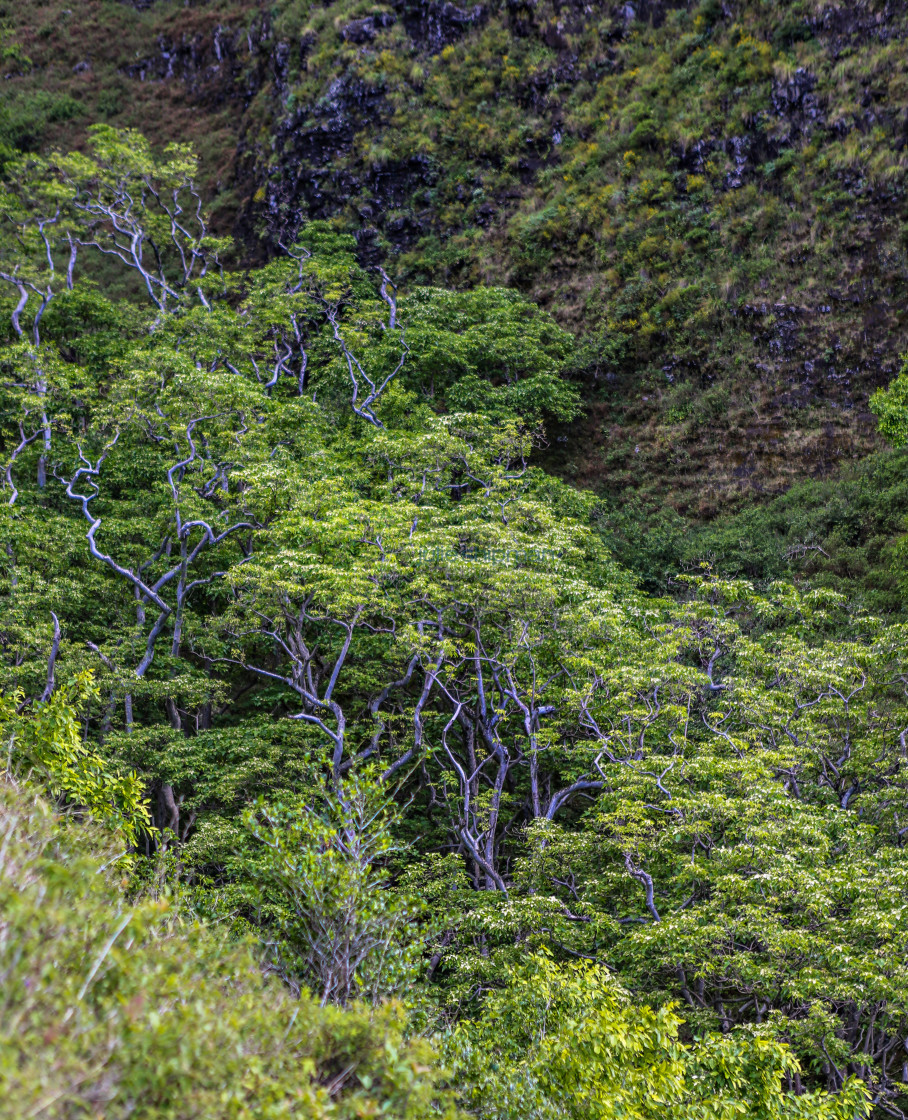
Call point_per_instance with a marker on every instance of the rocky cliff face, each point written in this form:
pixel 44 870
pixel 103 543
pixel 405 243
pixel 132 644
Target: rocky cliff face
pixel 711 195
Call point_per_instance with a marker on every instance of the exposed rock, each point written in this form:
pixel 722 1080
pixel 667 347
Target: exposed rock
pixel 434 24
pixel 329 155
pixel 214 66
pixel 365 30
pixel 796 104
pixel 847 25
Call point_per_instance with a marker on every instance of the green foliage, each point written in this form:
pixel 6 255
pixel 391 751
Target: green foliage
pixel 724 850
pixel 45 741
pixel 363 652
pixel 135 1010
pixel 891 407
pixel 24 120
pixel 342 931
pixel 843 533
pixel 683 187
pixel 570 1042
pixel 490 351
pixel 686 184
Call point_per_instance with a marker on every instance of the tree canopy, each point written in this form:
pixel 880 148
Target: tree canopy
pixel 289 604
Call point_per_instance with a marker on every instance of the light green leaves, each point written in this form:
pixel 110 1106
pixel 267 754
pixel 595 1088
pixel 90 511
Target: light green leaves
pixel 45 743
pixel 891 406
pixel 321 871
pixel 569 1042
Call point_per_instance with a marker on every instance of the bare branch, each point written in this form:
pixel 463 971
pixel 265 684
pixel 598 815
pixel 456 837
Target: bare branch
pixel 52 660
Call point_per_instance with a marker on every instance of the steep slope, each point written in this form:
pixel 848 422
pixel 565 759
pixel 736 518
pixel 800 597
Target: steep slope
pixel 710 195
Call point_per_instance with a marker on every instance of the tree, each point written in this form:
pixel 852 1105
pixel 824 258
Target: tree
pixel 341 930
pixel 891 406
pixel 291 522
pixel 570 1042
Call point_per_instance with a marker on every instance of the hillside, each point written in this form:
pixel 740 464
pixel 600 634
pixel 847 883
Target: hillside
pixel 453 561
pixel 710 196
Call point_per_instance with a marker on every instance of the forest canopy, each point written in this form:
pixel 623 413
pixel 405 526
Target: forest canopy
pixel 310 670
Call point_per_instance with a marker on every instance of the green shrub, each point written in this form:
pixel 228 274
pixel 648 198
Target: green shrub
pixel 115 1010
pixel 569 1042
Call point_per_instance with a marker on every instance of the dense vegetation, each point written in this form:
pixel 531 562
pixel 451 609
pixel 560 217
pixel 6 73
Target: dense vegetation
pixel 709 194
pixel 357 763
